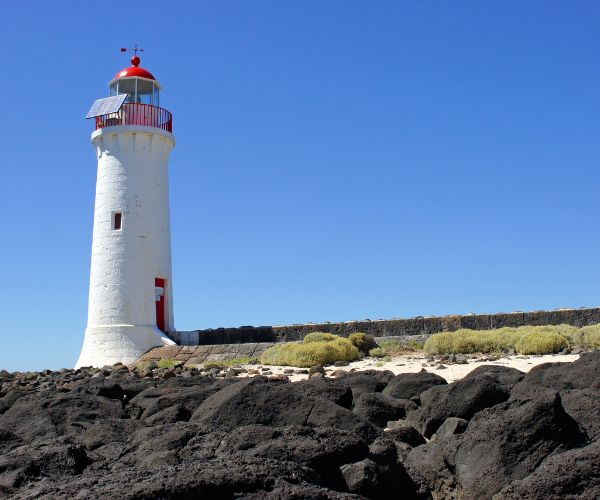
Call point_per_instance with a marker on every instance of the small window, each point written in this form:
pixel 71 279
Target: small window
pixel 117 220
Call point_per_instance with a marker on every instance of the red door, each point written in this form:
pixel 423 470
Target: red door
pixel 161 291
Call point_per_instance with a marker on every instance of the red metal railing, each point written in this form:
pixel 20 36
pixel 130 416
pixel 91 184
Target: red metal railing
pixel 137 114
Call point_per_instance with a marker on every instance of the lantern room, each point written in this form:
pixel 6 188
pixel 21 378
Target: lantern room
pixel 134 100
pixel 138 83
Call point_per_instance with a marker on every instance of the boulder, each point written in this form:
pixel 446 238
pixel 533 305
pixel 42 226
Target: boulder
pixel 49 414
pixel 367 381
pixel 501 444
pixel 332 390
pixel 256 401
pixel 411 385
pixel 572 474
pixel 450 427
pixel 176 413
pixel 52 459
pixel 8 440
pixel 579 374
pixel 461 399
pixel 378 408
pixel 403 432
pixel 322 449
pixel 107 430
pixel 510 440
pixel 364 478
pixel 156 399
pixel 225 478
pixel 583 406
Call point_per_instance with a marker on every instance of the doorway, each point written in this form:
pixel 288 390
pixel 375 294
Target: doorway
pixel 160 297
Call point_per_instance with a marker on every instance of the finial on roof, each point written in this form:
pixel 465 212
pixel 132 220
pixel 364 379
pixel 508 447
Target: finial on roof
pixel 135 60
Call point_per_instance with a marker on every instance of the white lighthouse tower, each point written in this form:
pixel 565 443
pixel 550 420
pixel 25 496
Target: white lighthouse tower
pixel 131 300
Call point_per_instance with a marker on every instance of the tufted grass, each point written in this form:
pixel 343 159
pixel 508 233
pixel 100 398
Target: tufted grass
pixel 544 342
pixel 544 339
pixel 363 342
pixel 590 337
pixel 320 337
pixel 316 349
pixel 168 363
pixel 377 352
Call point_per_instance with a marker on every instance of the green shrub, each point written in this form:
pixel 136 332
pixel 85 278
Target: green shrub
pixel 363 342
pixel 413 345
pixel 543 339
pixel 462 341
pixel 377 352
pixel 506 338
pixel 440 343
pixel 590 337
pixel 541 342
pixel 168 363
pixel 320 337
pixel 311 353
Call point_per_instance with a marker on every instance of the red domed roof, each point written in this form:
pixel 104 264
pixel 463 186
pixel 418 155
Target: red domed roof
pixel 135 70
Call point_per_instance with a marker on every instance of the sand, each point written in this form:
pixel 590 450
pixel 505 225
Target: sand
pixel 417 362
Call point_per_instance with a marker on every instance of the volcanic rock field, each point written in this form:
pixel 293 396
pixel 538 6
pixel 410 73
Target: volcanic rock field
pixel 120 433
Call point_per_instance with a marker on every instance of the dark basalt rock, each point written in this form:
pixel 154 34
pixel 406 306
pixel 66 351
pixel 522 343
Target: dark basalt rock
pixel 451 426
pixel 580 374
pixel 367 381
pixel 406 434
pixel 572 474
pixel 411 385
pixel 484 387
pixel 207 479
pixel 112 433
pixel 256 401
pixel 8 440
pixel 156 399
pixel 583 406
pixel 379 409
pixel 53 459
pixel 501 444
pixel 48 414
pixel 332 390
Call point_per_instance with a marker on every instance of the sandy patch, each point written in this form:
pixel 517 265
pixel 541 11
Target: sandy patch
pixel 415 363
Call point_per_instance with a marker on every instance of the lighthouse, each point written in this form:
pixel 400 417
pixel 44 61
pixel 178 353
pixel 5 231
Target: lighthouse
pixel 131 290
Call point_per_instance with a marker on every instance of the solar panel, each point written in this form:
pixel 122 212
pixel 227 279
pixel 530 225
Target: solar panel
pixel 106 105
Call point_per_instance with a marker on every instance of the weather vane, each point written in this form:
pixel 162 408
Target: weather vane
pixel 135 49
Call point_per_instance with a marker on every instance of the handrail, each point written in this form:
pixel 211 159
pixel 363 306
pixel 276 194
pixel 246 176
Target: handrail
pixel 132 113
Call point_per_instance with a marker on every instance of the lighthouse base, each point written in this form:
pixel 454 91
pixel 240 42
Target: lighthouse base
pixel 110 344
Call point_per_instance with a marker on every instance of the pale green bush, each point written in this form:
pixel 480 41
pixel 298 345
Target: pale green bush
pixel 553 338
pixel 168 363
pixel 377 352
pixel 440 343
pixel 363 342
pixel 311 352
pixel 319 337
pixel 541 342
pixel 590 337
pixel 506 338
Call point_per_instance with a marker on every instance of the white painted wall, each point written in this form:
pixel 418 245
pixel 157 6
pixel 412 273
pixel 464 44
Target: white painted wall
pixel 132 179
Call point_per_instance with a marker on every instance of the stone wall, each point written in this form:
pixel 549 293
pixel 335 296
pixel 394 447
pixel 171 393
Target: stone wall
pixel 194 355
pixel 388 328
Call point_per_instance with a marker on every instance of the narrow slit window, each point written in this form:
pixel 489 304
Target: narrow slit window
pixel 117 220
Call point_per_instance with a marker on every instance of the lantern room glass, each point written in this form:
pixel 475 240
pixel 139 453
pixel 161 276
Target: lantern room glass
pixel 138 90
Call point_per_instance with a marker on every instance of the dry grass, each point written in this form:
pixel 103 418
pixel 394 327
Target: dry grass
pixel 311 351
pixel 545 339
pixel 362 341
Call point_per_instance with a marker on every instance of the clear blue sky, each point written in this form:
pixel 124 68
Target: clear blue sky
pixel 335 160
